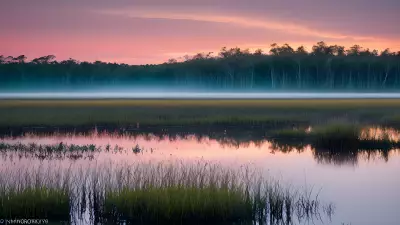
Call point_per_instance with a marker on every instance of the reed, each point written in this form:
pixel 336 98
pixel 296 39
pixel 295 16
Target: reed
pixel 170 192
pixel 38 193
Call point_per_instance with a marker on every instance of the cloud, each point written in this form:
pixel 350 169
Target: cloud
pixel 242 21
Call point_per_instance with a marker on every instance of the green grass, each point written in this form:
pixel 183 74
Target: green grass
pixel 202 193
pixel 272 113
pixel 180 205
pixel 334 137
pixel 149 193
pixel 42 202
pixel 35 193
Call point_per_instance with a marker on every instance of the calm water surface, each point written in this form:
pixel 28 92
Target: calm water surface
pixel 364 187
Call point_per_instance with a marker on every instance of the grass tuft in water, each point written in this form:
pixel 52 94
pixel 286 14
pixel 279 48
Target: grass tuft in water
pixel 336 136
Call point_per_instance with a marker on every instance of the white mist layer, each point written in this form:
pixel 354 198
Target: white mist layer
pixel 192 95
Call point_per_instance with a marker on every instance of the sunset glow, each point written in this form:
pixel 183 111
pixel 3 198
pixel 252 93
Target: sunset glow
pixel 154 31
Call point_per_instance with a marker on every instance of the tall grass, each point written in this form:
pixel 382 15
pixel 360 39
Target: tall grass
pixel 169 192
pixel 38 193
pixel 173 192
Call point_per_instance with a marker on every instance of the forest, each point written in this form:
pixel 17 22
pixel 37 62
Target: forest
pixel 325 67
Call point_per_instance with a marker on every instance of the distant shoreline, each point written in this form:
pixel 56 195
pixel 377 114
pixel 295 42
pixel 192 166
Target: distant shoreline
pixel 191 95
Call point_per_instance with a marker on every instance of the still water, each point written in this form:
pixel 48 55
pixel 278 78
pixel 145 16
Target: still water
pixel 363 186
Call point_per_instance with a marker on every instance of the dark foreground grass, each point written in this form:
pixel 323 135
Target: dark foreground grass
pixel 35 194
pixel 202 193
pixel 42 202
pixel 271 113
pixel 174 205
pixel 152 193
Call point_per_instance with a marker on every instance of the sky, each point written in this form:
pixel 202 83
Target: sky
pixel 153 31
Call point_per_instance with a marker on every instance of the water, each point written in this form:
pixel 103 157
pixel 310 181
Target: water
pixel 362 185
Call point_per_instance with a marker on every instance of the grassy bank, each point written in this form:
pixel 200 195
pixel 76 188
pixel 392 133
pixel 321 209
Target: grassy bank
pixel 271 113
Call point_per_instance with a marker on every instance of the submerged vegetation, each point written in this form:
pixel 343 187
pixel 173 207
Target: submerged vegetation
pixel 163 193
pixel 325 67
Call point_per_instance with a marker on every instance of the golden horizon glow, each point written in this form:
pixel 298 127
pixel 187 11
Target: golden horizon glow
pixel 153 34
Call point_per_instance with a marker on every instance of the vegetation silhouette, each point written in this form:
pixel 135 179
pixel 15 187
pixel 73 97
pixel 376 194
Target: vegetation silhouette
pixel 326 67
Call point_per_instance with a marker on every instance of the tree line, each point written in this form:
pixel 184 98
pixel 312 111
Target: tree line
pixel 325 67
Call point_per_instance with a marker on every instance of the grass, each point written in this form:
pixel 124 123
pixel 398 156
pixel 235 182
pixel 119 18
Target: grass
pixel 168 193
pixel 179 205
pixel 298 134
pixel 51 151
pixel 30 193
pixel 48 148
pixel 335 137
pixel 150 193
pixel 204 193
pixel 46 203
pixel 272 113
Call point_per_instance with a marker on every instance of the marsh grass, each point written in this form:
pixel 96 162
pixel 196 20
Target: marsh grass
pixel 35 194
pixel 336 137
pixel 290 134
pixel 179 204
pixel 49 148
pixel 169 192
pixel 270 113
pixel 177 193
pixel 50 151
pixel 35 203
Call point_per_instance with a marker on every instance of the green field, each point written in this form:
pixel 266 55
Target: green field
pixel 196 112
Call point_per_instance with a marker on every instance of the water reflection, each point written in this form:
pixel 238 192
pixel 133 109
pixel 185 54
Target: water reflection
pixel 98 145
pixel 364 175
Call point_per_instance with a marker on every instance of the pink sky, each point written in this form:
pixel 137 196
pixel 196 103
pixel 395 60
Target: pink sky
pixel 152 31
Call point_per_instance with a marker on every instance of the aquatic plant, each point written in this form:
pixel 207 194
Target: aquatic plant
pixel 155 193
pixel 173 192
pixel 336 136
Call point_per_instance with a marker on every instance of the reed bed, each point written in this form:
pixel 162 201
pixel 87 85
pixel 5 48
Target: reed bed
pixel 170 192
pixel 178 193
